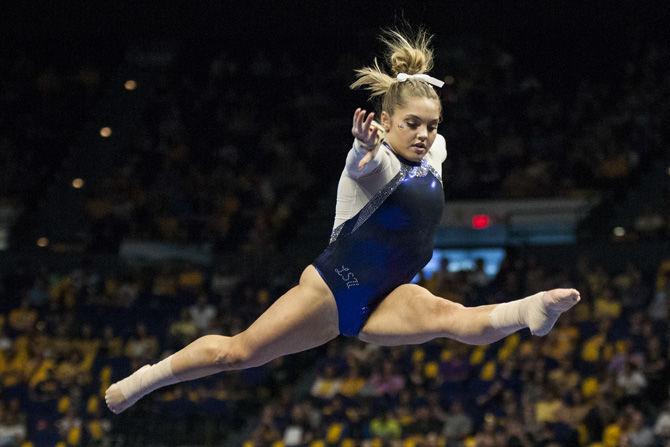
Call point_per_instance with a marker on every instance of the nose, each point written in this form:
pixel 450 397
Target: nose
pixel 423 133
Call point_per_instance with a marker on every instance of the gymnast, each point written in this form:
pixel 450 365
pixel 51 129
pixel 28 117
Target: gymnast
pixel 389 204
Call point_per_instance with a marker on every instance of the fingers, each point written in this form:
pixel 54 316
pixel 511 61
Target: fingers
pixel 363 128
pixel 372 136
pixel 356 115
pixel 368 120
pixel 378 126
pixel 359 116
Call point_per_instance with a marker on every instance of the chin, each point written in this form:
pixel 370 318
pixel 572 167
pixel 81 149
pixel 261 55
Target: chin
pixel 411 153
pixel 413 156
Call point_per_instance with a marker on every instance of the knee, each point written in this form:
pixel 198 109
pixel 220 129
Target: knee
pixel 227 353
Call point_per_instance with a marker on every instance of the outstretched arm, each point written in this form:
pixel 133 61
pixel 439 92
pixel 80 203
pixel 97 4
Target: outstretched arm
pixel 364 156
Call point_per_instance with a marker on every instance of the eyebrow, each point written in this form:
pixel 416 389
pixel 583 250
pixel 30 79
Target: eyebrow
pixel 421 119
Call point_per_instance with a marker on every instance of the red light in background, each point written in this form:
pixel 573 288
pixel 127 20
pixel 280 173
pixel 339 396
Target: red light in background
pixel 481 221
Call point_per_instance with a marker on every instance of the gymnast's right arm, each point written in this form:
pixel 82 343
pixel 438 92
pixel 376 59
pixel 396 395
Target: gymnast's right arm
pixel 364 157
pixel 356 155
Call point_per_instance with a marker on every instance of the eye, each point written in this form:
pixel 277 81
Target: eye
pixel 432 128
pixel 412 124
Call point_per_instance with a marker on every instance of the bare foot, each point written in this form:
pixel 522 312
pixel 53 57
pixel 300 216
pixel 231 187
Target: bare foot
pixel 115 396
pixel 552 304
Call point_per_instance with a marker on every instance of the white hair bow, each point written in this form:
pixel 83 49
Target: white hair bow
pixel 402 77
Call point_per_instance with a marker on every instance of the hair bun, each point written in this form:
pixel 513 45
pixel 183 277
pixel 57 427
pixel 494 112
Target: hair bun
pixel 408 61
pixel 405 56
pixel 412 56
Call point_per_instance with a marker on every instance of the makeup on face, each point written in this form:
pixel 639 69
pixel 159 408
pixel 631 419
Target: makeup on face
pixel 414 128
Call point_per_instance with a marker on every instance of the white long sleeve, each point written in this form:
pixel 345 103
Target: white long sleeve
pixel 355 155
pixel 356 187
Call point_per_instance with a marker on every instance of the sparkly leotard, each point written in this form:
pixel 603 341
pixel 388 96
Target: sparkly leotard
pixel 385 244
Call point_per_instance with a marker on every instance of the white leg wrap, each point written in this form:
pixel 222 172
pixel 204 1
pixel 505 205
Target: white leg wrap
pixel 144 381
pixel 530 312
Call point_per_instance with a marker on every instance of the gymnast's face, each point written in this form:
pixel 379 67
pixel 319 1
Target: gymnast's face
pixel 412 128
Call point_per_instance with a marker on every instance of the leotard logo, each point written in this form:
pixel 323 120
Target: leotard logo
pixel 347 276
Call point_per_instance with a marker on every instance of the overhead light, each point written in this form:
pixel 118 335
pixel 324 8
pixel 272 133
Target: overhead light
pixel 619 231
pixel 130 85
pixel 77 183
pixel 105 132
pixel 42 242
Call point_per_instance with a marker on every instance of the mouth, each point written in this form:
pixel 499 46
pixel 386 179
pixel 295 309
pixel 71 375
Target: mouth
pixel 419 148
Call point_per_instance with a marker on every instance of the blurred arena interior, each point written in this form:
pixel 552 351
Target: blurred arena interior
pixel 167 169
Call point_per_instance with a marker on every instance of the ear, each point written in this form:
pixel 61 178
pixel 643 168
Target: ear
pixel 386 121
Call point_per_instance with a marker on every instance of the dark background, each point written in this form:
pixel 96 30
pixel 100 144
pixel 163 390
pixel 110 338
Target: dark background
pixel 557 37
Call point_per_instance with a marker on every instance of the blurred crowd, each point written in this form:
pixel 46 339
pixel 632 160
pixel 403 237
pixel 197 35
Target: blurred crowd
pixel 600 378
pixel 66 336
pixel 45 101
pixel 236 150
pixel 219 132
pixel 516 134
pixel 209 161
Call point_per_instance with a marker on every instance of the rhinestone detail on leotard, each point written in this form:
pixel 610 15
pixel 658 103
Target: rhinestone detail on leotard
pixel 406 172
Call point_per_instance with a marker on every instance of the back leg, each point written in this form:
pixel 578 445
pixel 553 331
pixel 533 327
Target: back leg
pixel 301 319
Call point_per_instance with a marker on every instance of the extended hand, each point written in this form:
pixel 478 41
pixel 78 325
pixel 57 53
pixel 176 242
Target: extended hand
pixel 368 133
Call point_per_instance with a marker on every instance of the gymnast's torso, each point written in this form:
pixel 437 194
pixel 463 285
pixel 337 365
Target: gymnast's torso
pixel 386 218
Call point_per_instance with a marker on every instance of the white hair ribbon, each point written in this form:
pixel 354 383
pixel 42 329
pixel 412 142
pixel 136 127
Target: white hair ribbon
pixel 402 77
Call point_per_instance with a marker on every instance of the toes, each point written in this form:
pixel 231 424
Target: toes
pixel 576 296
pixel 109 400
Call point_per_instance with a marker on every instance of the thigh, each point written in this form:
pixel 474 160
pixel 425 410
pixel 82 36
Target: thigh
pixel 409 315
pixel 302 318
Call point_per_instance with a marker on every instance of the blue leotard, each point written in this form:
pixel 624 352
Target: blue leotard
pixel 384 245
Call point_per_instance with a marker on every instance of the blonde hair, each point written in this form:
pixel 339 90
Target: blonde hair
pixel 403 55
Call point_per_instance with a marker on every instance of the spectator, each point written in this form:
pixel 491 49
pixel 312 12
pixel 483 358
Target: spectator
pixel 70 426
pixel 353 383
pixel 656 370
pixel 458 424
pixel 659 309
pixel 326 385
pixel 388 381
pixel 478 276
pixel 111 345
pixel 662 424
pixel 184 330
pixel 267 432
pixel 13 430
pixel 142 347
pixel 631 380
pixel 649 223
pixel 22 318
pixel 639 434
pixel 385 426
pixel 424 422
pixel 297 431
pixel 202 314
